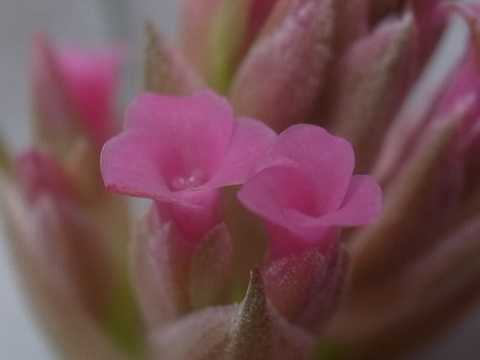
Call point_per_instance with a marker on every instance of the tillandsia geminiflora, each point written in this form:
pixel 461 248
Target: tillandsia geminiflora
pixel 265 238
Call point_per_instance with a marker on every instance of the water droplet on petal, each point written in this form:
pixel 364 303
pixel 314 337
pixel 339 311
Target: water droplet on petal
pixel 195 179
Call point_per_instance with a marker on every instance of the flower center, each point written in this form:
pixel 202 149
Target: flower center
pixel 195 179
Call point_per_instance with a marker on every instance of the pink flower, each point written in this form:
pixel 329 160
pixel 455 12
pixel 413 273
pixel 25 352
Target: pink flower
pixel 179 151
pixel 91 80
pixel 76 85
pixel 306 190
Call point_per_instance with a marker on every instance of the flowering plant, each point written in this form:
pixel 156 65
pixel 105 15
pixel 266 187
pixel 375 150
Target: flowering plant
pixel 265 237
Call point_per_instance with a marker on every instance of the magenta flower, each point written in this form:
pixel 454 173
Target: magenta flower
pixel 307 190
pixel 179 151
pixel 75 89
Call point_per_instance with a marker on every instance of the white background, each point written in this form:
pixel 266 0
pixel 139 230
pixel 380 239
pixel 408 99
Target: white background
pixel 84 22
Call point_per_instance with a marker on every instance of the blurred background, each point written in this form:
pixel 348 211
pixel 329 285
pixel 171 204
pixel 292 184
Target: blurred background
pixel 91 23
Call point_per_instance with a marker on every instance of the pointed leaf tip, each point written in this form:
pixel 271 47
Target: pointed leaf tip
pixel 251 335
pixel 165 69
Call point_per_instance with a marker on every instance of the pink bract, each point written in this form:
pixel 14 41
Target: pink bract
pixel 179 150
pixel 307 190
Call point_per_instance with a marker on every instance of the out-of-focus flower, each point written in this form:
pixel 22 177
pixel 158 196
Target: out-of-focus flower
pixel 179 152
pixel 74 92
pixel 69 236
pixel 309 191
pixel 62 256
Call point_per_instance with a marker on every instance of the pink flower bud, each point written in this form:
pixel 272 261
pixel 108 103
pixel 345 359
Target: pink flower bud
pixel 305 288
pixel 73 90
pixel 307 190
pixel 296 51
pixel 174 276
pixel 370 85
pixel 179 151
pixel 66 239
pixel 455 89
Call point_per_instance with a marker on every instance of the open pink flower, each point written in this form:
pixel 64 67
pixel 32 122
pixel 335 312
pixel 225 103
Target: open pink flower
pixel 307 190
pixel 178 151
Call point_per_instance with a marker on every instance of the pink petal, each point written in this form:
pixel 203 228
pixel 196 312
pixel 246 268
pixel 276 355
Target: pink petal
pixel 362 205
pixel 328 160
pixel 194 131
pixel 203 108
pixel 250 141
pixel 275 189
pixel 128 166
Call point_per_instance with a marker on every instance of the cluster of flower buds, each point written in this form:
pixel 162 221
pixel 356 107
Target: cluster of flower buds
pixel 69 235
pixel 242 253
